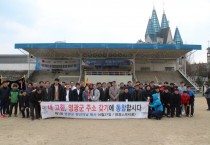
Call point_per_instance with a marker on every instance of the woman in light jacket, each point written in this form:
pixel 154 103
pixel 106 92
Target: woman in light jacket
pixel 85 94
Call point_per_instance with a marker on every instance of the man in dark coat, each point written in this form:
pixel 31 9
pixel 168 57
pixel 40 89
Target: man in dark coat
pixel 137 94
pixel 68 95
pixel 34 102
pixel 47 91
pixel 24 103
pixel 175 103
pixel 4 98
pixel 77 93
pixel 103 90
pixel 165 99
pixel 57 91
pixel 125 96
pixel 107 96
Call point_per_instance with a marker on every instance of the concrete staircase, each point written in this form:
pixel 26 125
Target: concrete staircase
pixel 189 79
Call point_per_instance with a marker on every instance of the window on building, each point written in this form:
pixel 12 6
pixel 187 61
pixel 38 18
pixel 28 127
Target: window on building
pixel 169 69
pixel 145 68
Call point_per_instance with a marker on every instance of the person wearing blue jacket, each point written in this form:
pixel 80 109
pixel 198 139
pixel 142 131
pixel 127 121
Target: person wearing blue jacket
pixel 157 110
pixel 192 100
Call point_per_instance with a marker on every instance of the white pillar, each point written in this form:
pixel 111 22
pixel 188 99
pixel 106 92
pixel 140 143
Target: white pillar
pixel 80 68
pixel 29 65
pixel 185 65
pixel 134 68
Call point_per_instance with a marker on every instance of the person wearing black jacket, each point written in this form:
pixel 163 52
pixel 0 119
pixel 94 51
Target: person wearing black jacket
pixel 103 90
pixel 125 96
pixel 34 101
pixel 24 104
pixel 77 93
pixel 172 87
pixel 57 91
pixel 47 91
pixel 147 94
pixel 155 91
pixel 175 103
pixel 136 95
pixel 165 99
pixel 107 96
pixel 82 86
pixel 4 98
pixel 67 94
pixel 166 85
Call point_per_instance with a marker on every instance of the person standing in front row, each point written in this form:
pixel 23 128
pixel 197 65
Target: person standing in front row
pixel 175 103
pixel 77 93
pixel 95 94
pixel 135 96
pixel 165 100
pixel 67 94
pixel 125 96
pixel 34 102
pixel 185 102
pixel 114 92
pixel 47 92
pixel 24 103
pixel 14 95
pixel 192 100
pixel 103 90
pixel 4 98
pixel 86 94
pixel 107 96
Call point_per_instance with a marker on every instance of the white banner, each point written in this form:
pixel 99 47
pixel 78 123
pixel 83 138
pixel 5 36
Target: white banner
pixel 94 110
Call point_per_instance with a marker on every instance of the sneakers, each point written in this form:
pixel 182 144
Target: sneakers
pixel 3 116
pixel 158 118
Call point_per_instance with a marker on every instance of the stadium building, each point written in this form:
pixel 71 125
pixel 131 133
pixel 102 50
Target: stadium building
pixel 160 57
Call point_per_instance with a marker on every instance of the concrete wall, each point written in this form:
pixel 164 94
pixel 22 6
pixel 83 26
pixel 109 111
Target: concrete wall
pixel 16 66
pixel 107 78
pixel 155 65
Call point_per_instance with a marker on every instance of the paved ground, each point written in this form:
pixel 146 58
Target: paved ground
pixel 168 131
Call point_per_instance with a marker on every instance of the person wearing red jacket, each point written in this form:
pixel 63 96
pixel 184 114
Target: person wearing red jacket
pixel 185 102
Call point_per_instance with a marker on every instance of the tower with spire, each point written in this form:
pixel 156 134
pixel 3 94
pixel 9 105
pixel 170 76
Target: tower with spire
pixel 161 34
pixel 177 37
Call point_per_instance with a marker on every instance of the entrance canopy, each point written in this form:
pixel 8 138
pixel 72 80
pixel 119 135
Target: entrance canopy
pixel 107 50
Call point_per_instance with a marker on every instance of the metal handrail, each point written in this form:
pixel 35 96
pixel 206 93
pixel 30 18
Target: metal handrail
pixel 107 73
pixel 189 79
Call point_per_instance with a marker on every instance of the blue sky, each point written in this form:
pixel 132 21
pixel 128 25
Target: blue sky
pixel 118 21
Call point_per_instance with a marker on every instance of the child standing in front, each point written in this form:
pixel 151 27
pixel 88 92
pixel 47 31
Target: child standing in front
pixel 175 103
pixel 185 102
pixel 14 94
pixel 24 103
pixel 192 100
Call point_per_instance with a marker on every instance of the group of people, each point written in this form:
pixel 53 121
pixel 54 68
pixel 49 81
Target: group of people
pixel 163 99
